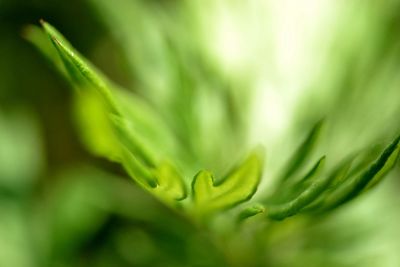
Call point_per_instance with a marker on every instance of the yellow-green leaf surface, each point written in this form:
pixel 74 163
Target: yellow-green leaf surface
pixel 93 123
pixel 169 182
pixel 239 186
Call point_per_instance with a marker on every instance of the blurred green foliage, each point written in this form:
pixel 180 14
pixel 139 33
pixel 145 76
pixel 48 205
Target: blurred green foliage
pixel 225 76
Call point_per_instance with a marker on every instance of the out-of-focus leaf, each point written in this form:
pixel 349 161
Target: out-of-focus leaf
pixel 76 209
pixel 250 212
pixel 329 192
pixel 304 151
pixel 239 186
pixel 94 127
pixel 15 243
pixel 131 142
pixel 148 126
pixel 20 151
pixel 355 185
pixel 293 187
pixel 295 201
pixel 37 37
pixel 339 175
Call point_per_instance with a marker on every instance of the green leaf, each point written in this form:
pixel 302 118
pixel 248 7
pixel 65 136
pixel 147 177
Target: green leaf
pixel 364 158
pixel 80 68
pixel 130 116
pixel 149 127
pixel 343 184
pixel 169 182
pixel 388 166
pixel 298 200
pixel 291 188
pixel 165 182
pixel 119 126
pixel 356 184
pixel 304 151
pixel 338 176
pixel 239 186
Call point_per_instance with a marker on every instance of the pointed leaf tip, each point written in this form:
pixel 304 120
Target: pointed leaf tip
pixel 303 152
pixel 79 69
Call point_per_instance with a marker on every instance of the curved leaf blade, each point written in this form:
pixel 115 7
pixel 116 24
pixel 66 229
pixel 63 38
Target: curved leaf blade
pixel 304 151
pixel 170 185
pixel 239 186
pixel 367 179
pixel 297 202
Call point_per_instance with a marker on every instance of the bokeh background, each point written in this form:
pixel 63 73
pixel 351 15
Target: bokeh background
pixel 285 63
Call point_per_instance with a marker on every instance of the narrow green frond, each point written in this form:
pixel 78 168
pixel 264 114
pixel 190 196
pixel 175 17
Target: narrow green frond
pixel 370 177
pixel 338 176
pixel 291 188
pixel 303 152
pixel 388 165
pixel 297 201
pixel 78 66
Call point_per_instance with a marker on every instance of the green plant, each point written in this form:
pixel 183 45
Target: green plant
pixel 162 151
pixel 134 129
